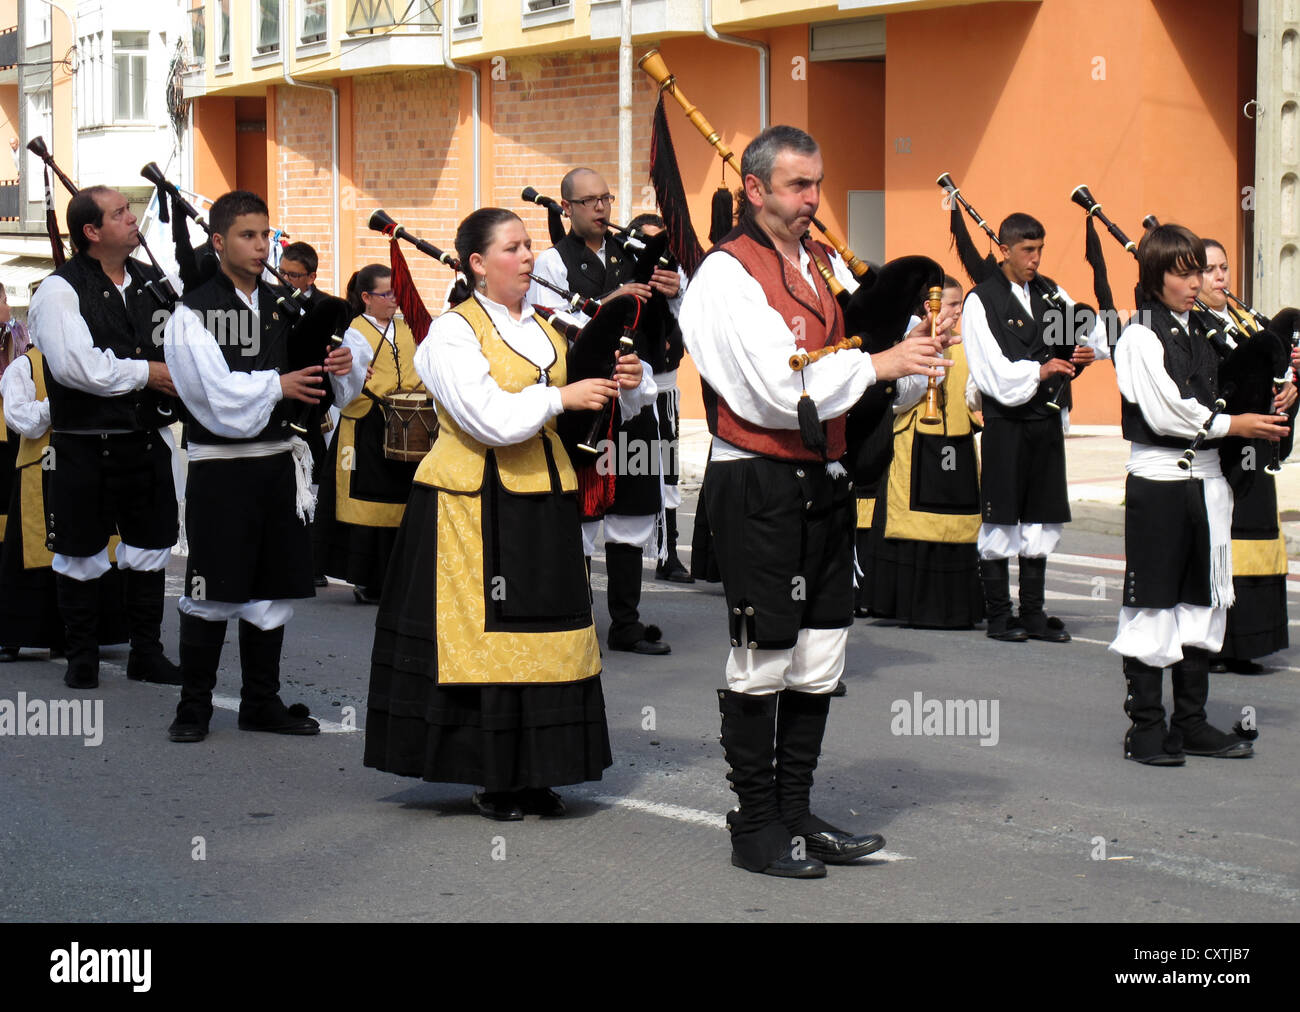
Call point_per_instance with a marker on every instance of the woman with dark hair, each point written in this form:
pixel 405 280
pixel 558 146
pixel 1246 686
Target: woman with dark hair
pixel 1257 620
pixel 362 491
pixel 1177 523
pixel 486 667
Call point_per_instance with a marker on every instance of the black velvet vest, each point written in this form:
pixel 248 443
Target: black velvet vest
pixel 1190 362
pixel 129 329
pixel 1020 335
pixel 247 343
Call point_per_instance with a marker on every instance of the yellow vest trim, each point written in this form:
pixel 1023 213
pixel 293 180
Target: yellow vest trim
pixel 457 461
pixel 31 450
pixel 866 510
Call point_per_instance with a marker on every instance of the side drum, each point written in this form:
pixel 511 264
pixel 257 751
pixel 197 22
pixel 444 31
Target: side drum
pixel 411 426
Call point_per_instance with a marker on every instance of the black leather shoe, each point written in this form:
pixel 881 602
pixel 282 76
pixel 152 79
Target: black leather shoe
pixel 1047 628
pixel 841 688
pixel 501 806
pixel 8 654
pixel 1011 634
pixel 673 572
pixel 183 732
pixel 321 581
pixel 364 596
pixel 1159 759
pixel 656 649
pixel 154 668
pixel 276 718
pixel 788 867
pixel 836 847
pixel 1242 666
pixel 541 801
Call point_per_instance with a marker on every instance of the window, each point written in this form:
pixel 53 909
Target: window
pixel 130 67
pixel 467 13
pixel 223 31
pixel 367 15
pixel 267 18
pixel 198 35
pixel 313 20
pixel 545 12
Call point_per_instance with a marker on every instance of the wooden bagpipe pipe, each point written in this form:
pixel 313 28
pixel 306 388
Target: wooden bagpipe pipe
pixel 381 221
pixel 316 328
pixel 167 409
pixel 654 66
pixel 1071 323
pixel 1248 365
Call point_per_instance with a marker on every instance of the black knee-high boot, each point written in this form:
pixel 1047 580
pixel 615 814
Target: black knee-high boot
pixel 79 609
pixel 1198 736
pixel 1038 625
pixel 626 632
pixel 995 575
pixel 145 594
pixel 760 841
pixel 671 568
pixel 800 725
pixel 200 650
pixel 1146 740
pixel 260 705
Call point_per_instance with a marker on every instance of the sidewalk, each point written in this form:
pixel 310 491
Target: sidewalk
pixel 1095 456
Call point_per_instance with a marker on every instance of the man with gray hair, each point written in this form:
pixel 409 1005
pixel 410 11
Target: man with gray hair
pixel 781 508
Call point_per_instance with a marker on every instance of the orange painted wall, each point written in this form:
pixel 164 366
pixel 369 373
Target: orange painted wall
pixel 251 144
pixel 214 146
pixel 1019 121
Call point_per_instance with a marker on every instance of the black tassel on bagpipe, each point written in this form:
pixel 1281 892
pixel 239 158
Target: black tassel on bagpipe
pixel 666 178
pixel 1096 258
pixel 722 218
pixel 977 267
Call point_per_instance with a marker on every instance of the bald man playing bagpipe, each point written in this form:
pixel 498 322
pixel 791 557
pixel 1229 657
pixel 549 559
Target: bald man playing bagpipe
pixel 779 502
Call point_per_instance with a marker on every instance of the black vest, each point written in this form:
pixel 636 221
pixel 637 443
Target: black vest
pixel 233 325
pixel 1020 335
pixel 1191 363
pixel 129 329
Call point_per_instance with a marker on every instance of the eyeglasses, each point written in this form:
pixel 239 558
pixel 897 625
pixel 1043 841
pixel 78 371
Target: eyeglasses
pixel 390 294
pixel 605 198
pixel 296 275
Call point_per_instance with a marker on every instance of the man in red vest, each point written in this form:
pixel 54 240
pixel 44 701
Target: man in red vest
pixel 781 512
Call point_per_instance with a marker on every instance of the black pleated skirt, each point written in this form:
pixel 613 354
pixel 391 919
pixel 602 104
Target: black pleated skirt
pixel 1257 620
pixel 500 737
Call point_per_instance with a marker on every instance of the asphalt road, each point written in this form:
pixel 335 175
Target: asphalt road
pixel 1048 824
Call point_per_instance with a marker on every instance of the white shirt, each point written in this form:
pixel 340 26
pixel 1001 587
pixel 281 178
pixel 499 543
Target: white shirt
pixel 59 331
pixel 23 412
pixel 742 348
pixel 455 371
pixel 1140 373
pixel 550 266
pixel 995 375
pixel 233 404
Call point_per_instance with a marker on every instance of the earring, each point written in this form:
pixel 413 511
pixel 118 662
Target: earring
pixel 482 283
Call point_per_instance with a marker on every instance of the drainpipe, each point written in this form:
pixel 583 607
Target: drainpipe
pixel 285 38
pixel 475 100
pixel 763 59
pixel 625 109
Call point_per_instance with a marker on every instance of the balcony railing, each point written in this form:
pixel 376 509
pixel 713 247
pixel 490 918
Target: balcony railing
pixel 369 15
pixel 9 48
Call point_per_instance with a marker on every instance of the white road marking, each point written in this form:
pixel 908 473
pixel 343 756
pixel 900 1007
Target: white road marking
pixel 698 817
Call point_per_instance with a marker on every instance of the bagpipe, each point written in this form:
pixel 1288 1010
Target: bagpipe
pixel 407 295
pixel 315 330
pixel 167 409
pixel 1076 321
pixel 1247 365
pixel 594 351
